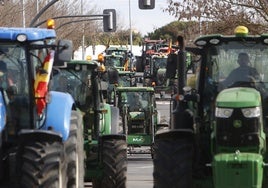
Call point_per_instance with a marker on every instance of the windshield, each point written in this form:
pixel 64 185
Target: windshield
pixel 14 84
pixel 160 63
pixel 137 101
pixel 238 62
pixel 76 83
pixel 114 61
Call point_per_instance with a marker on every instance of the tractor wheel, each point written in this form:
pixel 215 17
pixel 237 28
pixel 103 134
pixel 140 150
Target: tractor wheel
pixel 42 166
pixel 172 161
pixel 75 153
pixel 114 161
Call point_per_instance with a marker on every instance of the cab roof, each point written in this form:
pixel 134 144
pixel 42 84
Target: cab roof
pixel 33 34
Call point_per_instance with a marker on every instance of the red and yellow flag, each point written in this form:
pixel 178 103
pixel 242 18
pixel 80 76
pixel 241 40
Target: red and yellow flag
pixel 41 82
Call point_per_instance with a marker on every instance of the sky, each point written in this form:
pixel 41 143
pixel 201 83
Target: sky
pixel 144 21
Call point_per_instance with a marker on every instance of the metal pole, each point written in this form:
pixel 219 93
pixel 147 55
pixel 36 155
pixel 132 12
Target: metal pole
pixel 41 12
pixel 23 13
pixel 83 36
pixel 130 27
pixel 37 6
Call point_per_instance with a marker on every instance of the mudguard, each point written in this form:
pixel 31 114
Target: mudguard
pixel 2 112
pixel 106 121
pixel 59 113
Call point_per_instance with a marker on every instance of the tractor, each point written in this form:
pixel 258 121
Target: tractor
pixel 41 130
pixel 154 72
pixel 149 48
pixel 119 57
pixel 139 116
pixel 218 132
pixel 105 144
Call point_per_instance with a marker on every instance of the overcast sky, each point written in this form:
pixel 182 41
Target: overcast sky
pixel 142 20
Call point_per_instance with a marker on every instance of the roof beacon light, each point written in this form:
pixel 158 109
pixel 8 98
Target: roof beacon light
pixel 241 31
pixel 50 24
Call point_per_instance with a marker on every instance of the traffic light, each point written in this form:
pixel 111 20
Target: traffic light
pixel 109 20
pixel 146 4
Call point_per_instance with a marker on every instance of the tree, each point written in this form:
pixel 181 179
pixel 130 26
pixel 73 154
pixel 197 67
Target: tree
pixel 11 13
pixel 222 16
pixel 170 31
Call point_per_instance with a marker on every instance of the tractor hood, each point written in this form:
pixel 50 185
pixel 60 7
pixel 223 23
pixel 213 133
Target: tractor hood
pixel 137 115
pixel 239 97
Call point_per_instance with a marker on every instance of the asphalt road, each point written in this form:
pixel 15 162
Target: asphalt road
pixel 140 171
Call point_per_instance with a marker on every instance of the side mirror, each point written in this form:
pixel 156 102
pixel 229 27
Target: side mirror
pixel 146 4
pixel 63 52
pixel 109 20
pixel 171 66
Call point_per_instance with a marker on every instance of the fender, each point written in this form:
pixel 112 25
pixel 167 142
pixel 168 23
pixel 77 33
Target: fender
pixel 106 120
pixel 27 136
pixel 59 113
pixel 2 112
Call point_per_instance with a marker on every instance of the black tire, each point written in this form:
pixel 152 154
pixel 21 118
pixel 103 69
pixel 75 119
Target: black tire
pixel 75 153
pixel 42 165
pixel 114 161
pixel 172 161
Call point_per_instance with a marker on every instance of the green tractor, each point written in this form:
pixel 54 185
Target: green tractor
pixel 139 116
pixel 117 57
pixel 218 126
pixel 115 78
pixel 105 144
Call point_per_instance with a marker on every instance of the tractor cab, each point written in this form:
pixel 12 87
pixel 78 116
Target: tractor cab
pixel 137 108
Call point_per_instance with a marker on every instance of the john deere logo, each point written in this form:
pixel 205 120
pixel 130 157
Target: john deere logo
pixel 139 139
pixel 237 123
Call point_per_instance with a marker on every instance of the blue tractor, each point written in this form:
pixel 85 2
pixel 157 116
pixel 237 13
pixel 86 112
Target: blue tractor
pixel 41 140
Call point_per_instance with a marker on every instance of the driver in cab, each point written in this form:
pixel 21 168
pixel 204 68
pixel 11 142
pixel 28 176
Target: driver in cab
pixel 242 74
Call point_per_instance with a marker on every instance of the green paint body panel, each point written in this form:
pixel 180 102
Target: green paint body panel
pixel 105 125
pixel 239 97
pixel 242 170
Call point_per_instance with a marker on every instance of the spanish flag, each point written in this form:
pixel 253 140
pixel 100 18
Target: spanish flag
pixel 41 82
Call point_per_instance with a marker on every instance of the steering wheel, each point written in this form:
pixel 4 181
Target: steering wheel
pixel 252 82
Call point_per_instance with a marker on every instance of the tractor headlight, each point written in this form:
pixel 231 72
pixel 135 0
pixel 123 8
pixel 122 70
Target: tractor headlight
pixel 21 38
pixel 223 112
pixel 251 112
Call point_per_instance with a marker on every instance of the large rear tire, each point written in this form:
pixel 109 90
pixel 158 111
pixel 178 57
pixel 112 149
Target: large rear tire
pixel 114 160
pixel 172 160
pixel 75 153
pixel 42 165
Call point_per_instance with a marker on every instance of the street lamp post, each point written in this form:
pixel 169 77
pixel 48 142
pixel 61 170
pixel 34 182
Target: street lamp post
pixel 83 36
pixel 23 13
pixel 130 27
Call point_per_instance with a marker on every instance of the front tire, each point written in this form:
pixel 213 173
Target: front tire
pixel 42 165
pixel 114 160
pixel 75 153
pixel 172 160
